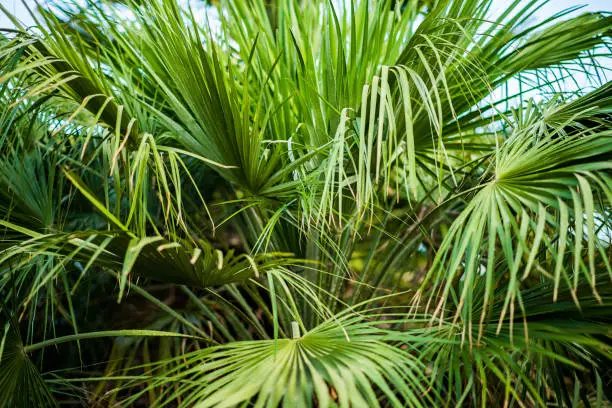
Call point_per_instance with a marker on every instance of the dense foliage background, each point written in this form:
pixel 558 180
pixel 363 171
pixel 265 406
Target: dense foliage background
pixel 305 203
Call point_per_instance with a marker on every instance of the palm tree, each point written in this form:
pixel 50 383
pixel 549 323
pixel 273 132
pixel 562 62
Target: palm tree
pixel 305 203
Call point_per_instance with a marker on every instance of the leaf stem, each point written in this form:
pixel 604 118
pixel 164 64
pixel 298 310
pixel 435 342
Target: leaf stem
pixel 101 334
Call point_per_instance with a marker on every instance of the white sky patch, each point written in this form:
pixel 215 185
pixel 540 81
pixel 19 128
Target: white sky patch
pixel 16 8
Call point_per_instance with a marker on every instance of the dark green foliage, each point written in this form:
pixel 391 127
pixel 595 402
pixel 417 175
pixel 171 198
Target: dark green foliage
pixel 305 203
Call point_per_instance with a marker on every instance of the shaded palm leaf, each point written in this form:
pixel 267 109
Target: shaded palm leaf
pixel 21 385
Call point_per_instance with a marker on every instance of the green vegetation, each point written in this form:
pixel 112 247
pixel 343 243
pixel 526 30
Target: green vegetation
pixel 305 203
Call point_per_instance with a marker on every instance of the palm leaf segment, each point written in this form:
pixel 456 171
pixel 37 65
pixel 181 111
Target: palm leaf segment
pixel 198 265
pixel 545 192
pixel 346 358
pixel 21 385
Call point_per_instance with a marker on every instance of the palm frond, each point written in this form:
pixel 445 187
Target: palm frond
pixel 343 362
pixel 240 173
pixel 21 384
pixel 529 361
pixel 542 191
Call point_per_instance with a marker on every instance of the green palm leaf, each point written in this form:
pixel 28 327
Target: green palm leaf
pixel 343 362
pixel 21 385
pixel 376 154
pixel 559 341
pixel 198 265
pixel 543 183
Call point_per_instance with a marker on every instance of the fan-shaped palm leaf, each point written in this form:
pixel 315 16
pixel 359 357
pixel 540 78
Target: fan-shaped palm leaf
pixel 345 362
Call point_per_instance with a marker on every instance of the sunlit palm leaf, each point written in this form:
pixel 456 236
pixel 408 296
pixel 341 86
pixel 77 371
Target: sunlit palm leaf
pixel 343 362
pixel 543 194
